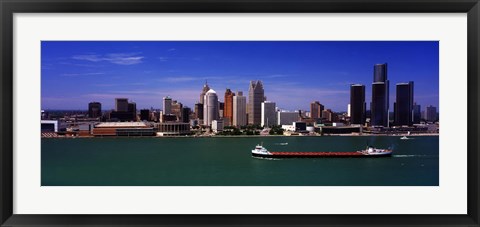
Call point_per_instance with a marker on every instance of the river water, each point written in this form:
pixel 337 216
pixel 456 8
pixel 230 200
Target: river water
pixel 227 161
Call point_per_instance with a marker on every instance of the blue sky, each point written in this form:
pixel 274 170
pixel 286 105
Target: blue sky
pixel 294 73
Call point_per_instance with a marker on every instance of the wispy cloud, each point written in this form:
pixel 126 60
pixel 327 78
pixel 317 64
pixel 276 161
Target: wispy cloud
pixel 115 85
pixel 171 49
pixel 275 76
pixel 82 74
pixel 179 79
pixel 115 58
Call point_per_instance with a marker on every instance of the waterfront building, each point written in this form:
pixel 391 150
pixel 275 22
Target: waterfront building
pixel 121 104
pixel 49 125
pixel 300 126
pixel 316 110
pixel 416 114
pixel 287 117
pixel 123 129
pixel 228 107
pixel 94 110
pixel 205 89
pixel 357 104
pixel 348 110
pixel 431 114
pixel 380 96
pixel 404 104
pixel 167 105
pixel 239 110
pixel 210 107
pixel 256 96
pixel 145 115
pixel 173 129
pixel 269 117
pixel 217 126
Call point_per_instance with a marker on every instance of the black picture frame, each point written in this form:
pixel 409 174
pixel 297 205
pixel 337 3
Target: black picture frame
pixel 9 7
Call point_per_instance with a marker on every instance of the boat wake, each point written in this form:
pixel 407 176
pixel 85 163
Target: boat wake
pixel 410 156
pixel 281 144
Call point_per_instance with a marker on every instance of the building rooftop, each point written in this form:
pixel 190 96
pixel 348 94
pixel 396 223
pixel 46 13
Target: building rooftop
pixel 121 125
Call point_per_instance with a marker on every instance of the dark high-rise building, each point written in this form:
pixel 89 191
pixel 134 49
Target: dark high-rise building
pixel 132 108
pixel 228 106
pixel 94 110
pixel 145 115
pixel 316 110
pixel 431 113
pixel 199 111
pixel 357 104
pixel 380 72
pixel 167 105
pixel 416 114
pixel 380 96
pixel 404 104
pixel 121 105
pixel 124 111
pixel 256 96
pixel 186 114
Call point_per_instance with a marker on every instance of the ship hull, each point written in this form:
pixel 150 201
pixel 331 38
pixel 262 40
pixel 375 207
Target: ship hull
pixel 319 155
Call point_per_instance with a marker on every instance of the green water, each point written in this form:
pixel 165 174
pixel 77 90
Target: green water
pixel 228 162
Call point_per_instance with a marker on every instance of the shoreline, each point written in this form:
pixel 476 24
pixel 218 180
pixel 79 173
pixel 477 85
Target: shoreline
pixel 242 136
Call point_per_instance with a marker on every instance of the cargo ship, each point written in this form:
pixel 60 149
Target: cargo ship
pixel 370 151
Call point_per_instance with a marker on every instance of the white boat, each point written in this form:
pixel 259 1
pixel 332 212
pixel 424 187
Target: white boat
pixel 260 150
pixel 404 138
pixel 376 152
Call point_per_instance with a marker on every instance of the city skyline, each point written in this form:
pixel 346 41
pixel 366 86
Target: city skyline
pixel 293 73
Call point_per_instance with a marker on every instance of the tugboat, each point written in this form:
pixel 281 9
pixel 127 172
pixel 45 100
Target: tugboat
pixel 370 151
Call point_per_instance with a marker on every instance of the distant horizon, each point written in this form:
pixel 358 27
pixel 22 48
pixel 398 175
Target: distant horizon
pixel 294 73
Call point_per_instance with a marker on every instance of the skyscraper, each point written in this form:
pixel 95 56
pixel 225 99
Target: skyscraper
pixel 316 110
pixel 185 114
pixel 269 117
pixel 228 106
pixel 380 92
pixel 145 115
pixel 132 108
pixel 256 96
pixel 205 89
pixel 167 105
pixel 380 72
pixel 357 104
pixel 124 111
pixel 210 107
pixel 199 111
pixel 431 113
pixel 121 104
pixel 239 109
pixel 404 104
pixel 176 109
pixel 94 109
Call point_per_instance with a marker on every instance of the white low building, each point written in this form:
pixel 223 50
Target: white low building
pixel 217 126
